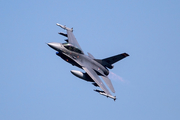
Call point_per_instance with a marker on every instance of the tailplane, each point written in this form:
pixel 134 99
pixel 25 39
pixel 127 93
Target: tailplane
pixel 107 62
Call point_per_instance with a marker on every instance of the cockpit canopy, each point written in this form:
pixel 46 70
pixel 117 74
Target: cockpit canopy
pixel 72 48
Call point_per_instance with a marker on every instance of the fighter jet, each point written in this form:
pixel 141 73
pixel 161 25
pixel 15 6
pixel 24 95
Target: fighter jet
pixel 71 52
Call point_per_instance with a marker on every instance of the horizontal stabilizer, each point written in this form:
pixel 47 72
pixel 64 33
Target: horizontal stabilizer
pixel 113 59
pixel 107 62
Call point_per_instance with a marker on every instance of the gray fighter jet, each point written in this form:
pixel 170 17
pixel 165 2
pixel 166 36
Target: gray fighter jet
pixel 73 54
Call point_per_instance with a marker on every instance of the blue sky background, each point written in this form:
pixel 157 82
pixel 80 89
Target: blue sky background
pixel 35 84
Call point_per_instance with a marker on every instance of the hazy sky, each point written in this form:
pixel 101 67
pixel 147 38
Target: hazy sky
pixel 36 84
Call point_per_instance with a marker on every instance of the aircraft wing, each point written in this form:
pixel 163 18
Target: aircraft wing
pixel 108 82
pixel 96 79
pixel 71 38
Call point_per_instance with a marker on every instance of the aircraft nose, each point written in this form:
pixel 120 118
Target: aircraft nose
pixel 55 46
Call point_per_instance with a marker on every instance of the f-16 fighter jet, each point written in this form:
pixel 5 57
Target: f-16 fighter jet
pixel 73 54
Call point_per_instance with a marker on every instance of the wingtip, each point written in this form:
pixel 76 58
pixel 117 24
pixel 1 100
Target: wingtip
pixel 125 54
pixel 115 98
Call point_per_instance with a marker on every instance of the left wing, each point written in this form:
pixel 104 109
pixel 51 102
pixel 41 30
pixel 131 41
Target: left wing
pixel 96 79
pixel 71 38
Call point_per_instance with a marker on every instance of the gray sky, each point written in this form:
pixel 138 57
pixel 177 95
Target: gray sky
pixel 36 84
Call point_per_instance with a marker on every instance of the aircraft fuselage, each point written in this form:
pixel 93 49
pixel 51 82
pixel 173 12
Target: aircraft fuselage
pixel 78 59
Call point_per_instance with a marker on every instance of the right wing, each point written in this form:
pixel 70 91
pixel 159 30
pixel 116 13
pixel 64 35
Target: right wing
pixel 108 82
pixel 96 79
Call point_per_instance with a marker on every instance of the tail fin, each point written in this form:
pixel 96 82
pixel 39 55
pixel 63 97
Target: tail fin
pixel 107 62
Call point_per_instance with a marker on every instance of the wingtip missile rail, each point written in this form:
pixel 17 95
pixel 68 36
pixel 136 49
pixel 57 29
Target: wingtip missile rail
pixel 103 93
pixel 64 27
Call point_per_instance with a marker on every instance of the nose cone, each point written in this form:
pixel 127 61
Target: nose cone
pixel 55 46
